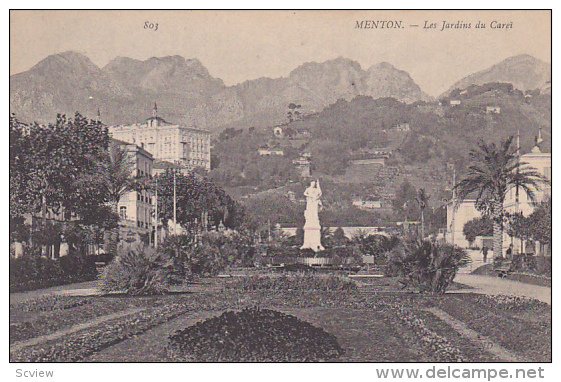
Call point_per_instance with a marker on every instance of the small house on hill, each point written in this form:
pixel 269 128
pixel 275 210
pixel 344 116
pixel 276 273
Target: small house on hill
pixel 493 110
pixel 267 151
pixel 367 204
pixel 402 127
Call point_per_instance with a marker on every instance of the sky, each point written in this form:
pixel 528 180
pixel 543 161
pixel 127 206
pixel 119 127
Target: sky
pixel 243 45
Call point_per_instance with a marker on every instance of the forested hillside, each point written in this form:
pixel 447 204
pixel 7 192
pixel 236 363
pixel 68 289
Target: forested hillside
pixel 437 138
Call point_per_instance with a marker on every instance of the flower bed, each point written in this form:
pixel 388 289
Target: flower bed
pixel 442 349
pixel 77 346
pixel 49 303
pixel 522 326
pixel 45 315
pixel 293 282
pixel 253 335
pixel 512 303
pixel 517 323
pixel 533 279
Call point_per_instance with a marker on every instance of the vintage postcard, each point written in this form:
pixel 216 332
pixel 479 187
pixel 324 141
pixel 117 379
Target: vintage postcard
pixel 281 186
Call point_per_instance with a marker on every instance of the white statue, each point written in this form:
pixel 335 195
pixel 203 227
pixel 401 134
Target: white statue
pixel 312 227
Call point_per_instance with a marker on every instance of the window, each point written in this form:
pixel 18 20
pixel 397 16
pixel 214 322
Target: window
pixel 123 212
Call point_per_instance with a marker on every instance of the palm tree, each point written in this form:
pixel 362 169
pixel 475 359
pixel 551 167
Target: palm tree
pixel 117 179
pixel 494 170
pixel 422 199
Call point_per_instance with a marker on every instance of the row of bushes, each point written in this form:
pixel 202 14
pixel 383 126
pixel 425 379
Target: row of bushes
pixel 342 250
pixel 528 263
pixel 141 270
pixel 34 272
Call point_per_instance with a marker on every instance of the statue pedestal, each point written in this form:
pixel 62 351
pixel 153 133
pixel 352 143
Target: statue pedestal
pixel 312 239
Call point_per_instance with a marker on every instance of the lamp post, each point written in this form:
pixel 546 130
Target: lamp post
pixel 156 216
pixel 174 202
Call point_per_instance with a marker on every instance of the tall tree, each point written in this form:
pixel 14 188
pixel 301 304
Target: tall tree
pixel 494 170
pixel 403 204
pixel 116 178
pixel 422 199
pixel 540 222
pixel 48 165
pixel 197 196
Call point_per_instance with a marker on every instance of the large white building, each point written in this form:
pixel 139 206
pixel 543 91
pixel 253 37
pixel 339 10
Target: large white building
pixel 186 146
pixel 135 207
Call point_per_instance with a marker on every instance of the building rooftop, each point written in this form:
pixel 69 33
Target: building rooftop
pixel 137 147
pixel 160 120
pixel 164 165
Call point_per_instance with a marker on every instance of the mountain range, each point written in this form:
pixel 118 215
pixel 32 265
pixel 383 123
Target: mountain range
pixel 524 72
pixel 125 89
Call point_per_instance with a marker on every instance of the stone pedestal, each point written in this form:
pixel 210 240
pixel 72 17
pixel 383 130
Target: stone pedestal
pixel 312 239
pixel 63 249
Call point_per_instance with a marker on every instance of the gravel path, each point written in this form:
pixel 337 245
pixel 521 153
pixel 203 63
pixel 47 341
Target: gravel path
pixel 495 286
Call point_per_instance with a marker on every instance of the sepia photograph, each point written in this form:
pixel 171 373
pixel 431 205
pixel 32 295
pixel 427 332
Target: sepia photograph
pixel 281 186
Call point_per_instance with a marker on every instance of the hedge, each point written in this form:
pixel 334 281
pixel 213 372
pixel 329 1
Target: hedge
pixel 33 272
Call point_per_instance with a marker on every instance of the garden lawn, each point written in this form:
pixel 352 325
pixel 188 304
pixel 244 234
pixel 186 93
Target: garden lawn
pixel 370 323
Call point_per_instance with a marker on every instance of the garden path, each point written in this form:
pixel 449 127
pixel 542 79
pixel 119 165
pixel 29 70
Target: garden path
pixel 476 260
pixel 496 286
pixel 475 337
pixel 73 329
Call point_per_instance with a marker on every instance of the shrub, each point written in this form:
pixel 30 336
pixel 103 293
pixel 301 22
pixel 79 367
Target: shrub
pixel 481 226
pixel 254 335
pixel 178 248
pixel 543 265
pixel 288 251
pixel 206 260
pixel 376 245
pixel 349 255
pixel 207 255
pixel 428 266
pixel 137 271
